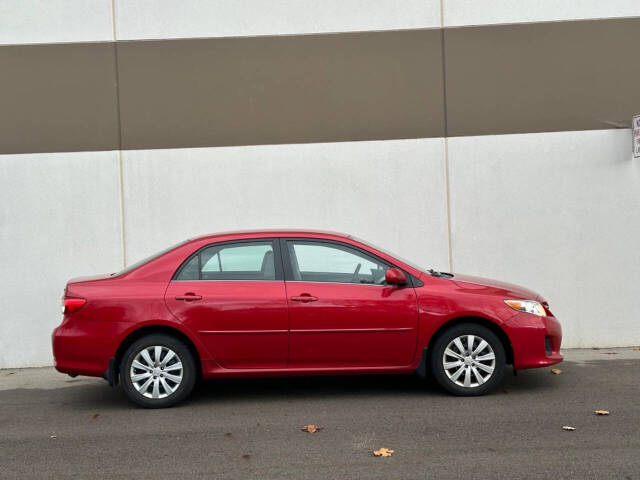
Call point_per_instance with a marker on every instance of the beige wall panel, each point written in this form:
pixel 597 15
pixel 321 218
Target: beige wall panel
pixel 542 76
pixel 58 97
pixel 283 89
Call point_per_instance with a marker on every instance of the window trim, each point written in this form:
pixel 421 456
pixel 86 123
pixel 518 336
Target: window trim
pixel 277 260
pixel 288 267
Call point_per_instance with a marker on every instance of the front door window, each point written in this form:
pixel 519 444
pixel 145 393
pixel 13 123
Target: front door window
pixel 326 262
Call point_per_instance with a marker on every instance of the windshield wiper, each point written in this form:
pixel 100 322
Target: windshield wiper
pixel 435 273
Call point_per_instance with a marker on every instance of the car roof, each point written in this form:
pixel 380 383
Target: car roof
pixel 187 247
pixel 275 232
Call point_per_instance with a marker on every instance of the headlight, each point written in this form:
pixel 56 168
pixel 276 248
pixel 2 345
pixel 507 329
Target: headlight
pixel 527 306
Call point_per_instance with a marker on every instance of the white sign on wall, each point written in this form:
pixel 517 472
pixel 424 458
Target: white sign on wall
pixel 635 131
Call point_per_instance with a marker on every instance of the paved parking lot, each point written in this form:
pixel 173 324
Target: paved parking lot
pixel 53 426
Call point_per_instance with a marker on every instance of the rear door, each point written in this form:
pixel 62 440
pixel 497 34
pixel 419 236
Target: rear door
pixel 233 296
pixel 342 314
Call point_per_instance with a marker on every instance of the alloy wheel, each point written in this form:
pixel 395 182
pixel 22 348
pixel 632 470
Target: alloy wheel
pixel 156 371
pixel 469 361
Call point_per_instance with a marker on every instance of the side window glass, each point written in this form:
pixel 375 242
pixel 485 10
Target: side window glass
pixel 189 270
pixel 211 261
pixel 235 261
pixel 323 262
pixel 246 258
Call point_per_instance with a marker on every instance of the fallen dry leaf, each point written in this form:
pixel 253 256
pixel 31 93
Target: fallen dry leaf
pixel 595 348
pixel 556 371
pixel 601 412
pixel 11 373
pixel 228 435
pixel 383 452
pixel 567 427
pixel 636 349
pixel 95 416
pixel 246 456
pixel 311 428
pixel 610 353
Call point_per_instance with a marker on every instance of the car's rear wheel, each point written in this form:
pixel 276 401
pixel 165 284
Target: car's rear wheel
pixel 157 371
pixel 468 359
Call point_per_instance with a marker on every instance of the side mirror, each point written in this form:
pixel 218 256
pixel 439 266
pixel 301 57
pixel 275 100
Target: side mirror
pixel 395 276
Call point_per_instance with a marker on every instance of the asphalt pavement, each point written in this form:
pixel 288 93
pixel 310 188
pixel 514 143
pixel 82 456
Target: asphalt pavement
pixel 53 426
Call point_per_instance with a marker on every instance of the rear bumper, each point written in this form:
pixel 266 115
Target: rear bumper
pixel 84 347
pixel 536 341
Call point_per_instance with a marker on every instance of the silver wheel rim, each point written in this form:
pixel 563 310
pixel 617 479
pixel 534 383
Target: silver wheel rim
pixel 469 361
pixel 156 372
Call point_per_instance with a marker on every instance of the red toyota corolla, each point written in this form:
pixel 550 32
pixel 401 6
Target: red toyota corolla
pixel 295 303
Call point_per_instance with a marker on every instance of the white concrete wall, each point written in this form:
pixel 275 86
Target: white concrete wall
pixel 484 12
pixel 389 192
pixel 55 21
pixel 560 213
pixel 144 19
pixel 59 218
pixel 44 21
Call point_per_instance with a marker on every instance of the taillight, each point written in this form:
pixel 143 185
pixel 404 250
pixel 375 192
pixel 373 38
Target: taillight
pixel 70 305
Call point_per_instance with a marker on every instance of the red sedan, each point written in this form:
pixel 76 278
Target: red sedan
pixel 295 303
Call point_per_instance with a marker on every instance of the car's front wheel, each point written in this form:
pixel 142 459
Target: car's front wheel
pixel 157 371
pixel 468 359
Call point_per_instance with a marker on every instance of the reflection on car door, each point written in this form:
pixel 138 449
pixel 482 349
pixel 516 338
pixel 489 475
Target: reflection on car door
pixel 341 312
pixel 233 296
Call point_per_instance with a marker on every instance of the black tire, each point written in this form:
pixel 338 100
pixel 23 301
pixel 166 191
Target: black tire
pixel 436 360
pixel 185 356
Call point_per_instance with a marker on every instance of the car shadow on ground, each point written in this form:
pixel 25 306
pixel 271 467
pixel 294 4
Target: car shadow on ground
pixel 319 387
pixel 96 393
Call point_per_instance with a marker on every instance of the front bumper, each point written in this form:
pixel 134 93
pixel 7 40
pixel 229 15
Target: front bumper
pixel 535 340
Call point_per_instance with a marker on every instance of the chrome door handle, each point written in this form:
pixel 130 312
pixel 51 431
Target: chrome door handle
pixel 304 298
pixel 189 297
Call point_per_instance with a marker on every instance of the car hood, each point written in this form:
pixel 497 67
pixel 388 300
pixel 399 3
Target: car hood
pixel 508 290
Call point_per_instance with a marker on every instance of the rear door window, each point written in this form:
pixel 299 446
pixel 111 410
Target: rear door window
pixel 231 261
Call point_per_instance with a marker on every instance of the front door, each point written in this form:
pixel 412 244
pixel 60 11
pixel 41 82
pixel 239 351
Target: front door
pixel 342 314
pixel 232 295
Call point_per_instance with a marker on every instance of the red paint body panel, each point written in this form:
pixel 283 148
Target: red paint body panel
pixel 351 325
pixel 253 328
pixel 242 324
pixel 116 306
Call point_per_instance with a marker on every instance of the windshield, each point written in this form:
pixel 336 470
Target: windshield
pixel 391 254
pixel 139 263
